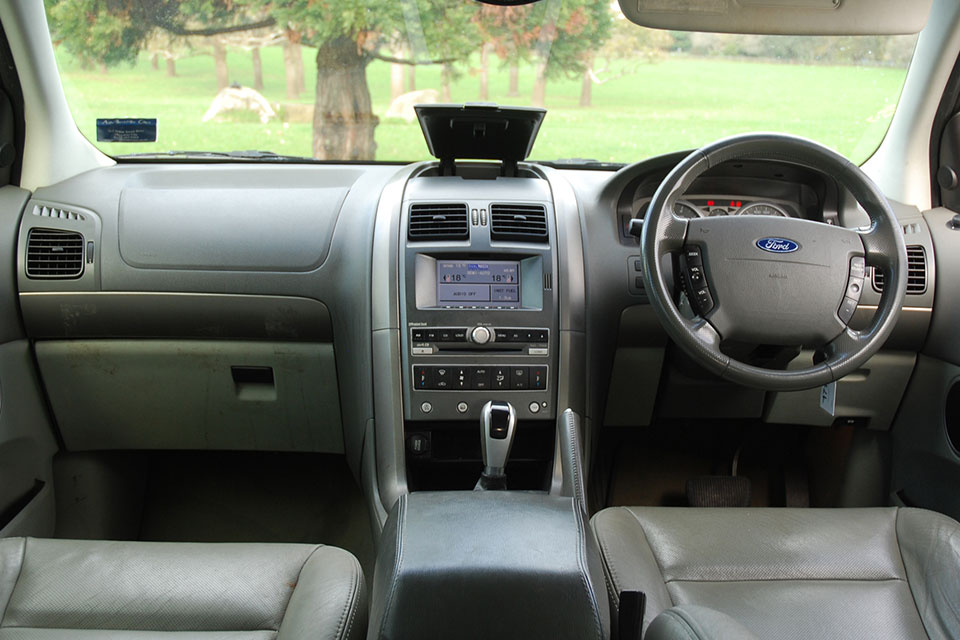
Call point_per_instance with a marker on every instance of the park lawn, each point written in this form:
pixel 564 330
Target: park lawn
pixel 678 102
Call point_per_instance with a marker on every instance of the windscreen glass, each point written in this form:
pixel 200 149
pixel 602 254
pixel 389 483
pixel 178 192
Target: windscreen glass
pixel 337 80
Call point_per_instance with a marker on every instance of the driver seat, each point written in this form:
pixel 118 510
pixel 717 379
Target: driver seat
pixel 785 573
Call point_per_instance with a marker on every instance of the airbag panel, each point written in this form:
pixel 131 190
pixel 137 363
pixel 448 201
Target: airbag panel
pixel 228 227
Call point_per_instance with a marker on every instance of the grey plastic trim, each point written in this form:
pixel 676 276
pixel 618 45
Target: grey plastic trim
pixel 118 314
pixel 942 341
pixel 12 202
pixel 388 442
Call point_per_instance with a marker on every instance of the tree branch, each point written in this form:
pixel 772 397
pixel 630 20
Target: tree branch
pixel 215 31
pixel 379 56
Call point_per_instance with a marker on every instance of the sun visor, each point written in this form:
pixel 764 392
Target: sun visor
pixel 782 17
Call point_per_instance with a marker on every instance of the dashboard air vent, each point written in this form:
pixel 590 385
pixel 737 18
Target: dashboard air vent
pixel 54 212
pixel 438 222
pixel 52 253
pixel 522 222
pixel 916 272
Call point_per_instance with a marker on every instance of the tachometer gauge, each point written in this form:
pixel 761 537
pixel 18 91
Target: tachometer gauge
pixel 686 210
pixel 762 209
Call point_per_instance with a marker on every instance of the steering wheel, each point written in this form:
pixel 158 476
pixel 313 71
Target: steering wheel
pixel 773 280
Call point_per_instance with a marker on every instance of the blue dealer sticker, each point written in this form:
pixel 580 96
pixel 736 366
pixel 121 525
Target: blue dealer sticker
pixel 126 129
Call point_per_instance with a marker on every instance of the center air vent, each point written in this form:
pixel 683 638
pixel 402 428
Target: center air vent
pixel 916 272
pixel 438 222
pixel 522 222
pixel 54 254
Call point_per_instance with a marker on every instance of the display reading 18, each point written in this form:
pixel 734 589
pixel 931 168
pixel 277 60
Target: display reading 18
pixel 471 284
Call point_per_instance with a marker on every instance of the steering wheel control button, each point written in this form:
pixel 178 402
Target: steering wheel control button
pixel 858 267
pixel 462 407
pixel 697 281
pixel 635 276
pixel 480 335
pixel 534 407
pixel 702 301
pixel 426 407
pixel 854 287
pixel 694 256
pixel 847 308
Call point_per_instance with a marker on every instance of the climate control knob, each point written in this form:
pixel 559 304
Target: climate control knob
pixel 480 335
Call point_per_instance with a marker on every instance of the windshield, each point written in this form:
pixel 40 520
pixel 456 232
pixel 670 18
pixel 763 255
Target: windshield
pixel 337 80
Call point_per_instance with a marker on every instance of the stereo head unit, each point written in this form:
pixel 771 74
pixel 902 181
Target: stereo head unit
pixel 460 282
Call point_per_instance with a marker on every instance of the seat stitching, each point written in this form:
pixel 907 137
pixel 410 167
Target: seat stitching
pixel 652 552
pixel 581 560
pixel 352 601
pixel 896 534
pixel 744 580
pixel 613 589
pixel 346 606
pixel 23 559
pixel 398 563
pixel 685 625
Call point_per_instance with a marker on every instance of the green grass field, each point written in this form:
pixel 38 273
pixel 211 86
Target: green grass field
pixel 676 103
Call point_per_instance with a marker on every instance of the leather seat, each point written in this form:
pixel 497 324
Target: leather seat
pixel 786 573
pixel 58 589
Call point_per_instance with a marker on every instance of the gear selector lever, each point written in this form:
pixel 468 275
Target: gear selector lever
pixel 498 423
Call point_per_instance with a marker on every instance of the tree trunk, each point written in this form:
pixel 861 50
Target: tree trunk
pixel 445 84
pixel 220 62
pixel 586 85
pixel 296 55
pixel 257 69
pixel 396 80
pixel 155 61
pixel 540 85
pixel 485 73
pixel 290 71
pixel 514 89
pixel 103 67
pixel 171 68
pixel 411 78
pixel 343 120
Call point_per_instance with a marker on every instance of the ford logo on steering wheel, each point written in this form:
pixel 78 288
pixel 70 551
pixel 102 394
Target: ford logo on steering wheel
pixel 777 245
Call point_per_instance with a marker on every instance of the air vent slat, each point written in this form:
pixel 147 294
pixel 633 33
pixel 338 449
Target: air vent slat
pixel 916 272
pixel 518 222
pixel 52 253
pixel 438 221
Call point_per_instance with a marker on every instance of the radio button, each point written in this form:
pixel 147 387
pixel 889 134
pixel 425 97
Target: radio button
pixel 458 335
pixel 480 335
pixel 542 335
pixel 502 335
pixel 419 335
pixel 430 335
pixel 519 378
pixel 515 335
pixel 446 335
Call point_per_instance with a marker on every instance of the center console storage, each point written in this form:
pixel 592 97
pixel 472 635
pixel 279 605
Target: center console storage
pixel 488 564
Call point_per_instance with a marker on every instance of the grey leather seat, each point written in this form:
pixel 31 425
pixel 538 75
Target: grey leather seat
pixel 58 589
pixel 786 573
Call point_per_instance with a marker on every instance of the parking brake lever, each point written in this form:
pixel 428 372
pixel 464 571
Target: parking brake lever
pixel 498 423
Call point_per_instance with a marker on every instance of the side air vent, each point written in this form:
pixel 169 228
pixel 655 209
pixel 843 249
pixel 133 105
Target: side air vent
pixel 522 222
pixel 916 272
pixel 438 222
pixel 54 212
pixel 52 253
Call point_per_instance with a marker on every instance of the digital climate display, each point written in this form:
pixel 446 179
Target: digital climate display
pixel 474 283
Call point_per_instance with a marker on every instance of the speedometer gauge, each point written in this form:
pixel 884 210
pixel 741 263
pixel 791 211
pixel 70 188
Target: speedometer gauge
pixel 763 209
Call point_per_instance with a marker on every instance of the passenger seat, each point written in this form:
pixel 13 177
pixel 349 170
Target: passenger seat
pixel 81 589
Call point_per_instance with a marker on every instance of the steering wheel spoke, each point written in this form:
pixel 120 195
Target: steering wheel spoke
pixel 774 281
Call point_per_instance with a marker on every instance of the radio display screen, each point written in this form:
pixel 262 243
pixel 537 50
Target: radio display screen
pixel 476 283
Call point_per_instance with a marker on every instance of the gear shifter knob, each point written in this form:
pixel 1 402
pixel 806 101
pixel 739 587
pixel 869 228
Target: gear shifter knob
pixel 498 422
